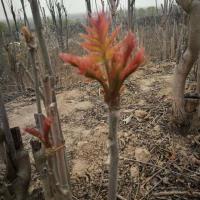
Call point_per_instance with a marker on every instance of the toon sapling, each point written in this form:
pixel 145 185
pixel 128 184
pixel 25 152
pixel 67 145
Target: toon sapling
pixel 110 63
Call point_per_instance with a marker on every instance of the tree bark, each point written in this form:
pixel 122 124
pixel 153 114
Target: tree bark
pixel 89 8
pixel 52 111
pixel 20 184
pixel 7 20
pixel 66 28
pixel 131 4
pixel 113 5
pixel 5 126
pixel 26 22
pixel 42 43
pixel 42 168
pixel 113 152
pixel 19 169
pixel 60 29
pixel 15 20
pixel 187 60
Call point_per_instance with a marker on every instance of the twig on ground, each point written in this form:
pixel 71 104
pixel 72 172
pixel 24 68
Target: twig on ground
pixel 148 179
pixel 120 197
pixel 175 192
pixel 150 164
pixel 151 189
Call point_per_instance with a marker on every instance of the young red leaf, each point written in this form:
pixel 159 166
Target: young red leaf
pixel 35 133
pixel 133 65
pixel 107 61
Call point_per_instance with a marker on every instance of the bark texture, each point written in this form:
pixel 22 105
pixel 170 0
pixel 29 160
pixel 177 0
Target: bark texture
pixel 187 59
pixel 113 153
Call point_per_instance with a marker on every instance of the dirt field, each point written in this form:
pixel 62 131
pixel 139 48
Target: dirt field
pixel 167 166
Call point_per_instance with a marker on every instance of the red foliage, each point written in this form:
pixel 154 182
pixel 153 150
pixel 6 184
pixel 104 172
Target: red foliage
pixel 107 61
pixel 44 136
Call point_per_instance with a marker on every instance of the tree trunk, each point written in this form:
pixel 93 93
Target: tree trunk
pixel 198 78
pixel 58 147
pixel 15 21
pixel 20 184
pixel 19 169
pixel 7 20
pixel 113 152
pixel 131 4
pixel 60 29
pixel 113 5
pixel 89 8
pixel 5 126
pixel 42 168
pixel 66 28
pixel 186 61
pixel 26 22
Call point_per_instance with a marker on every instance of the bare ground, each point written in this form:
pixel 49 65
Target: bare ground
pixel 171 170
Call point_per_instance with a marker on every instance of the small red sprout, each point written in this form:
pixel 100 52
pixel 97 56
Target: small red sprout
pixel 44 136
pixel 107 61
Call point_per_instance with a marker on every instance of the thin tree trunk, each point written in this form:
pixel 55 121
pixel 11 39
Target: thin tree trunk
pixel 20 184
pixel 66 27
pixel 113 152
pixel 42 43
pixel 165 34
pixel 32 81
pixel 36 81
pixel 15 21
pixel 52 111
pixel 113 5
pixel 89 8
pixel 198 77
pixel 7 20
pixel 26 22
pixel 60 21
pixel 131 4
pixel 42 168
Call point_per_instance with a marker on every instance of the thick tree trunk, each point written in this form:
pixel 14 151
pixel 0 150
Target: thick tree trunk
pixel 181 72
pixel 187 60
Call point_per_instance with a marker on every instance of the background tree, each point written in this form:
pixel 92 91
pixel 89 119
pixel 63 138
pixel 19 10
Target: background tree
pixel 13 12
pixel 113 5
pixel 6 16
pixel 131 5
pixel 166 12
pixel 89 8
pixel 26 22
pixel 53 6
